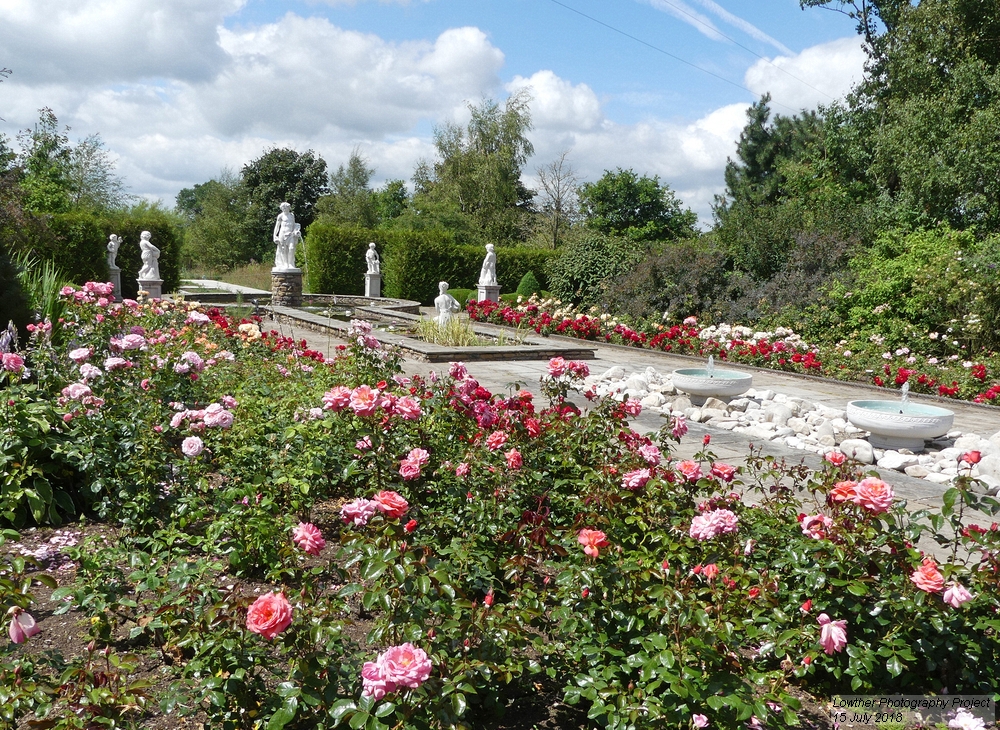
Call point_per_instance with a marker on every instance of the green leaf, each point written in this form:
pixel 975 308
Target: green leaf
pixel 384 709
pixel 458 704
pixel 948 499
pixel 359 720
pixel 894 666
pixel 341 708
pixel 284 715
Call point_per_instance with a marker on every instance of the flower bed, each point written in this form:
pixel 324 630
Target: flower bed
pixel 308 543
pixel 944 368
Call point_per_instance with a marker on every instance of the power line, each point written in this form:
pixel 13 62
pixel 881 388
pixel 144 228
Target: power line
pixel 667 53
pixel 733 40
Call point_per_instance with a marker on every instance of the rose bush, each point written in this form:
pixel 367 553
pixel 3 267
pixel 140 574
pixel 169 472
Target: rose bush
pixel 533 555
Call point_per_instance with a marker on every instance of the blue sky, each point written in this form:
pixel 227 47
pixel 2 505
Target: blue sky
pixel 180 89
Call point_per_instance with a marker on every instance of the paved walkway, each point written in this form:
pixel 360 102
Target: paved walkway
pixel 729 446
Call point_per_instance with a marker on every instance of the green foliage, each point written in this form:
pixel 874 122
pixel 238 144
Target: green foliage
pixel 912 284
pixel 279 176
pixel 45 157
pixel 77 246
pixel 215 236
pixel 413 262
pixel 351 201
pixel 475 188
pixel 167 236
pixel 583 266
pixel 528 285
pixel 336 257
pixel 641 208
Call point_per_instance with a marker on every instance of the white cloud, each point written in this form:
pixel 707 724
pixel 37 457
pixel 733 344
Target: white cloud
pixel 558 105
pixel 92 42
pixel 817 75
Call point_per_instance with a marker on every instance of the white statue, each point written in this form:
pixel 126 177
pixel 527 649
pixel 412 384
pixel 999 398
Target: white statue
pixel 150 270
pixel 445 304
pixel 113 244
pixel 488 274
pixel 371 257
pixel 287 233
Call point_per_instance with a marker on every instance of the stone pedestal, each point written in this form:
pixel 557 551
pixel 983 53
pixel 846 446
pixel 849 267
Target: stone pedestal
pixel 152 287
pixel 489 291
pixel 115 275
pixel 373 285
pixel 286 287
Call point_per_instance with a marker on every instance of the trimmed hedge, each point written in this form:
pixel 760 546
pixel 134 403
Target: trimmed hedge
pixel 413 262
pixel 77 244
pixel 165 234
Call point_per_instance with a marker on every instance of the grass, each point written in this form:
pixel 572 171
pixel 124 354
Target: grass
pixel 459 333
pixel 257 276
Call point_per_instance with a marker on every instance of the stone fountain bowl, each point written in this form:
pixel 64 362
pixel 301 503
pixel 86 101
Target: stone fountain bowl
pixel 722 384
pixel 895 426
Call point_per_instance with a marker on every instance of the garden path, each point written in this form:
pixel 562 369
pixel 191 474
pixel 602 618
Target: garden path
pixel 729 446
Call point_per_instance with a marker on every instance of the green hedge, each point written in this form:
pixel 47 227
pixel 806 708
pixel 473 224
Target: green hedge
pixel 165 234
pixel 413 262
pixel 77 244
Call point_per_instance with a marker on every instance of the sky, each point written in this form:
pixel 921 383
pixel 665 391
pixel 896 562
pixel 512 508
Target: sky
pixel 180 90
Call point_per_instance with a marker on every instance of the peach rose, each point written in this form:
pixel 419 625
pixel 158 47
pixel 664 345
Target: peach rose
pixel 269 615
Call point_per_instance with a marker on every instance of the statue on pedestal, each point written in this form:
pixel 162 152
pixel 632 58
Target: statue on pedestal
pixel 113 245
pixel 287 233
pixel 150 270
pixel 372 259
pixel 488 274
pixel 445 304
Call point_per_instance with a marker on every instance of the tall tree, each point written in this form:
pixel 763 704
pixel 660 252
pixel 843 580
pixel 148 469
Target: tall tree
pixel 623 204
pixel 559 203
pixel 215 237
pixel 475 186
pixel 351 200
pixel 45 161
pixel 93 182
pixel 280 175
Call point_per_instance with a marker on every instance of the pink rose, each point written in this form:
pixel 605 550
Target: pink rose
pixel 844 492
pixel 373 683
pixel 650 454
pixel 833 635
pixel 679 427
pixel 80 355
pixel 458 371
pixel 359 511
pixel 405 665
pixel 816 526
pixel 408 409
pixel 228 401
pixel 636 479
pixel 269 615
pixel 927 577
pixel 514 460
pixel 579 369
pixel 496 440
pixel 364 401
pixel 690 469
pixel 557 367
pixel 215 416
pixel 76 391
pixel 633 407
pixel 725 472
pixel 699 720
pixel 337 398
pixel 398 666
pixel 22 625
pixel 12 362
pixel 192 446
pixel 363 444
pixel 712 524
pixel 308 537
pixel 116 363
pixel 835 457
pixel 956 595
pixel 592 540
pixel 409 470
pixel 391 504
pixel 419 456
pixel 874 495
pixel 462 470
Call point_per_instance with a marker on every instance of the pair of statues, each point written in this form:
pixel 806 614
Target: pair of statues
pixel 150 254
